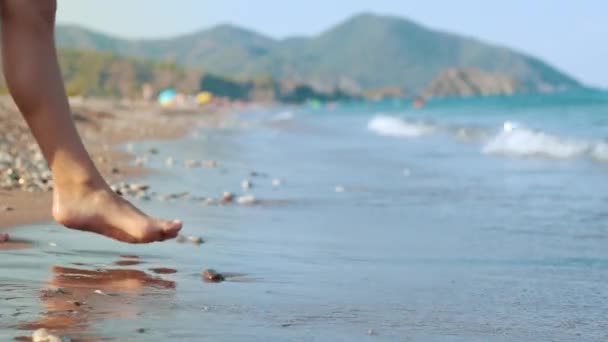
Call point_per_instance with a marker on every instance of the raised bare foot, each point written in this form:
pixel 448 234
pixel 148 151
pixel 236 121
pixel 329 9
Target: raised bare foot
pixel 101 211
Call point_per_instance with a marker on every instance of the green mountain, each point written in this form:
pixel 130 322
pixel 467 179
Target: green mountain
pixel 363 53
pixel 105 74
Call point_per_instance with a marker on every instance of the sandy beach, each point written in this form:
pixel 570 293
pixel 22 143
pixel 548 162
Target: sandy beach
pixel 103 124
pixel 356 222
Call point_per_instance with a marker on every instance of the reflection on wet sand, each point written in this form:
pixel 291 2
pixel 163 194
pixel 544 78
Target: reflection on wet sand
pixel 14 245
pixel 77 298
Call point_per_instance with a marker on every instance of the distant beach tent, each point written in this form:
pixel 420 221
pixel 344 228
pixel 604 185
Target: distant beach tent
pixel 167 97
pixel 204 97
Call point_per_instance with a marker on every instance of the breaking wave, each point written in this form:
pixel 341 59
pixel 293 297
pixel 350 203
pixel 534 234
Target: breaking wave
pixel 517 141
pixel 513 140
pixel 395 127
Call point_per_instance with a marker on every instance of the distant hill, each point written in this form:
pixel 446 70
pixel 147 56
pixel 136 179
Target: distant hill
pixel 470 82
pixel 363 53
pixel 105 74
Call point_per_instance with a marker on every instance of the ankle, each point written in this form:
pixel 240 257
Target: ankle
pixel 79 184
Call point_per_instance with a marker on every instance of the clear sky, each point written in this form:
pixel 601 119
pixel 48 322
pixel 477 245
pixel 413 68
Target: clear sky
pixel 572 35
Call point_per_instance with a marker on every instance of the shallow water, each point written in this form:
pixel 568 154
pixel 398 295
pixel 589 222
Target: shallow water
pixel 392 224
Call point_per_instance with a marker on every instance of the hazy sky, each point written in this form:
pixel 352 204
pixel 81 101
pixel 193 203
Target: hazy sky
pixel 569 34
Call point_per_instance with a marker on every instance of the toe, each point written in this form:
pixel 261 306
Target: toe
pixel 170 229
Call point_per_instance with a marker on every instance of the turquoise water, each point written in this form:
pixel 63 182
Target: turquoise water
pixel 467 220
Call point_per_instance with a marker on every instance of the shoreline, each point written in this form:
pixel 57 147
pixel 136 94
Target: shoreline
pixel 103 125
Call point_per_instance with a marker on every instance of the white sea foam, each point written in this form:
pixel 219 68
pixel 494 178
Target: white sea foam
pixel 513 140
pixel 599 152
pixel 517 141
pixel 396 127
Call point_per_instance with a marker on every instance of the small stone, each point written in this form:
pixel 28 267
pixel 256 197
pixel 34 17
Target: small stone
pixel 227 197
pixel 210 163
pixel 115 170
pixel 6 208
pixel 153 151
pixel 181 239
pixel 169 161
pixel 246 184
pixel 208 201
pixel 4 237
pixel 192 163
pixel 247 200
pixel 99 292
pixel 52 244
pixel 212 276
pixel 140 161
pixel 372 332
pixel 339 189
pixel 277 183
pixel 135 187
pixel 195 239
pixel 141 331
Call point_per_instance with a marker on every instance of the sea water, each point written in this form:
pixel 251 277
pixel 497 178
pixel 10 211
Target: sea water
pixel 467 220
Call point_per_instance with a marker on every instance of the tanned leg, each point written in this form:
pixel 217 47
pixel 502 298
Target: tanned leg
pixel 82 199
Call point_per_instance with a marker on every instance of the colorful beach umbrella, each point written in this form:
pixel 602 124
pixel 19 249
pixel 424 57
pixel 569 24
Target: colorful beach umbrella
pixel 167 97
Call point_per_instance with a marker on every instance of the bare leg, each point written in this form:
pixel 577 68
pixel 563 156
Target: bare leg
pixel 81 199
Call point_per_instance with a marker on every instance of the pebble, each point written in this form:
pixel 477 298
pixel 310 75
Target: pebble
pixel 195 239
pixel 6 208
pixel 192 163
pixel 178 195
pixel 208 201
pixel 227 197
pixel 210 163
pixel 138 187
pixel 99 292
pixel 140 161
pixel 372 332
pixel 339 189
pixel 169 161
pixel 246 184
pixel 21 163
pixel 4 237
pixel 277 183
pixel 134 190
pixel 212 276
pixel 247 200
